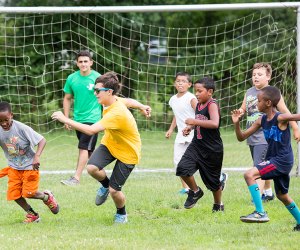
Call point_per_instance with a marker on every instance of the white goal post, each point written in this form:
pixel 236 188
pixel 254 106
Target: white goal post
pixel 158 57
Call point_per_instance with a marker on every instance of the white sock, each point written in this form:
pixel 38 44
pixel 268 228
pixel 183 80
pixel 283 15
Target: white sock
pixel 268 192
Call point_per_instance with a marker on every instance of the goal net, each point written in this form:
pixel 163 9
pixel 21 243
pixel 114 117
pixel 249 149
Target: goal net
pixel 38 51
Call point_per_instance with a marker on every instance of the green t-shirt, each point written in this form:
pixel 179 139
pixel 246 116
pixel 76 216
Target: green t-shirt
pixel 86 106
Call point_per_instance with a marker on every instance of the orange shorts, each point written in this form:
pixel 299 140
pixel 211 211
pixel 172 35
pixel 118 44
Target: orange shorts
pixel 22 183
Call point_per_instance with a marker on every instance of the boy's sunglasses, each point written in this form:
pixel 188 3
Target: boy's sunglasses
pixel 97 90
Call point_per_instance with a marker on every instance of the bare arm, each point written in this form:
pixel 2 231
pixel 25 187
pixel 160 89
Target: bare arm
pixel 171 129
pixel 131 103
pixel 212 123
pixel 67 107
pixel 283 109
pixel 84 128
pixel 36 159
pixel 242 135
pixel 242 109
pixel 194 103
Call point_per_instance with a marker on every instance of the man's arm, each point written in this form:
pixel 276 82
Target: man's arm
pixel 67 107
pixel 84 128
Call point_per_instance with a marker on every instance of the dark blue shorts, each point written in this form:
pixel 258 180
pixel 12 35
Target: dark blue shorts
pixel 101 157
pixel 271 171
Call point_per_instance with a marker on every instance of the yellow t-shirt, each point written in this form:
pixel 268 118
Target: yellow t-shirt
pixel 121 135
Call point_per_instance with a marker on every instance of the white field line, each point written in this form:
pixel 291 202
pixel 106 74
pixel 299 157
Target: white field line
pixel 140 170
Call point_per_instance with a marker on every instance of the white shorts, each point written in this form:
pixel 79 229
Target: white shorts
pixel 179 149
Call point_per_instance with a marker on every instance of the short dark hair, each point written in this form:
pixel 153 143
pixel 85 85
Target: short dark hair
pixel 271 93
pixel 110 80
pixel 83 53
pixel 207 83
pixel 5 106
pixel 183 73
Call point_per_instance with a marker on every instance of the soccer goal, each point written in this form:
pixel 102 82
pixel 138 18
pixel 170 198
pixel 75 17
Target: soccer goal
pixel 146 46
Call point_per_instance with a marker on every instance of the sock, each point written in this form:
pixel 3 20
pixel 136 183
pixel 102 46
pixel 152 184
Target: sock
pixel 31 211
pixel 105 182
pixel 121 210
pixel 268 192
pixel 46 197
pixel 294 210
pixel 256 197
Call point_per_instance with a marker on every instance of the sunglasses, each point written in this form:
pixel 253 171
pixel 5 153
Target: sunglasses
pixel 97 90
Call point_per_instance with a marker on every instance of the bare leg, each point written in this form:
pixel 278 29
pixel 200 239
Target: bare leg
pixel 184 185
pixel 190 181
pixel 97 174
pixel 83 157
pixel 218 196
pixel 23 203
pixel 118 197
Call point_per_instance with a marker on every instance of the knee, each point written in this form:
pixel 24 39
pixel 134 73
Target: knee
pixel 113 192
pixel 91 169
pixel 247 175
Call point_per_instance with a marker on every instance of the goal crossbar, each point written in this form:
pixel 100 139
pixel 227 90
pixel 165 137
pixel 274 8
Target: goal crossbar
pixel 149 8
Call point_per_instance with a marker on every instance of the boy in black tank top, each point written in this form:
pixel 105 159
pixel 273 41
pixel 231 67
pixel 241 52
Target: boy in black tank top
pixel 205 153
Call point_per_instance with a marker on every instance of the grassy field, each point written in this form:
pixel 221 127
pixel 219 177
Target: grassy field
pixel 157 219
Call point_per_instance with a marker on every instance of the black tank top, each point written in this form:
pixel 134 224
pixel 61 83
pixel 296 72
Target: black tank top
pixel 207 138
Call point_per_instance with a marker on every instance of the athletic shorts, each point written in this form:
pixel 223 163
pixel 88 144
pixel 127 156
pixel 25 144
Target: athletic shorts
pixel 86 142
pixel 101 157
pixel 209 165
pixel 269 170
pixel 22 183
pixel 179 149
pixel 258 153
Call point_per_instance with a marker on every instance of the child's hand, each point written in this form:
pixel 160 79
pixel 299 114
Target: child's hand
pixel 169 133
pixel 186 131
pixel 146 111
pixel 190 121
pixel 36 163
pixel 235 115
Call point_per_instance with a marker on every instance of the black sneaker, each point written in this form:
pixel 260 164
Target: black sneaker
pixel 267 198
pixel 193 198
pixel 297 227
pixel 218 208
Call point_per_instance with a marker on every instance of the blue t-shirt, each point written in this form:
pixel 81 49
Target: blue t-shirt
pixel 280 151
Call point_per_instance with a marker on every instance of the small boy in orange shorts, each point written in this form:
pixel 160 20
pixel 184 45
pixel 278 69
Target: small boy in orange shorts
pixel 18 141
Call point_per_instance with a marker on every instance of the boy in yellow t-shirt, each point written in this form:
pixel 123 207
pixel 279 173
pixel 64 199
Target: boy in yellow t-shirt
pixel 121 141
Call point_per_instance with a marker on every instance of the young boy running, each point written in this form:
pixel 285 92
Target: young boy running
pixel 183 105
pixel 261 76
pixel 121 142
pixel 279 158
pixel 205 153
pixel 18 141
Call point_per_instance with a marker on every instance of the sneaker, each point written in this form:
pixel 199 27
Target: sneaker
pixel 193 198
pixel 51 202
pixel 224 178
pixel 101 196
pixel 267 198
pixel 255 217
pixel 183 191
pixel 297 227
pixel 218 208
pixel 121 218
pixel 70 182
pixel 31 218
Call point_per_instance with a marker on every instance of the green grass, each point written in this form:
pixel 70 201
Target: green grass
pixel 157 219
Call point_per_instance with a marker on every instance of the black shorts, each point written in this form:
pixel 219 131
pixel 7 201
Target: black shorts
pixel 209 165
pixel 101 157
pixel 86 142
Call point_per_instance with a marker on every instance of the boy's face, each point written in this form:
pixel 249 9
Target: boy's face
pixel 182 84
pixel 84 63
pixel 260 78
pixel 6 120
pixel 103 94
pixel 202 94
pixel 262 103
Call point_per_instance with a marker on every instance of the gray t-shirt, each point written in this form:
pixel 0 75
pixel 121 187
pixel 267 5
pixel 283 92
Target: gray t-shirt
pixel 253 114
pixel 18 145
